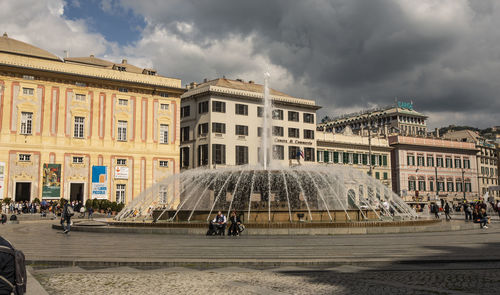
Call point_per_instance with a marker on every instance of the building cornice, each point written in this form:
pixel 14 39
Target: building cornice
pixel 86 71
pixel 229 92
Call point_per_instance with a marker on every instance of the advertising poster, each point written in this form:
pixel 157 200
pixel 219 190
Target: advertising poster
pixel 99 182
pixel 121 172
pixel 2 178
pixel 51 186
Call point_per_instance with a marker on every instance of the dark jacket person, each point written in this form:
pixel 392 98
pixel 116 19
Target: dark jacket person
pixel 7 269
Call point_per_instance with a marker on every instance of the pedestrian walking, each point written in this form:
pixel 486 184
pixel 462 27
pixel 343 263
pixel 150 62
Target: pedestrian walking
pixel 66 215
pixel 447 211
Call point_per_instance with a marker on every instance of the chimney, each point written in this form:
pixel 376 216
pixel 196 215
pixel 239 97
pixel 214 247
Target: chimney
pixel 251 82
pixel 124 61
pixel 239 80
pixel 192 85
pixel 437 132
pixel 5 35
pixel 92 56
pixel 205 80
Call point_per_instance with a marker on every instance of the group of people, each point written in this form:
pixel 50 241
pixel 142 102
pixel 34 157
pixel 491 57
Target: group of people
pixel 218 225
pixel 476 211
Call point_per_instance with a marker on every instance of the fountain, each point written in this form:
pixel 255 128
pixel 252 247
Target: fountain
pixel 269 193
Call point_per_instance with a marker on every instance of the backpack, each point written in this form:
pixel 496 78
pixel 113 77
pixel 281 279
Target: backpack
pixel 21 276
pixel 70 211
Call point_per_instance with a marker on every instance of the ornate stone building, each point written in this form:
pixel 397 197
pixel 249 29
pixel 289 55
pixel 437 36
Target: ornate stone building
pixel 83 127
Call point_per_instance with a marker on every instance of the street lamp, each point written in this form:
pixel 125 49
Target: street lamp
pixel 437 184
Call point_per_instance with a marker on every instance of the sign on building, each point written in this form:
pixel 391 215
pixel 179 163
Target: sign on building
pixel 99 182
pixel 51 186
pixel 121 172
pixel 2 178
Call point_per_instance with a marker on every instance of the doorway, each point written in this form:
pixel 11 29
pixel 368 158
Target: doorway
pixel 23 191
pixel 76 192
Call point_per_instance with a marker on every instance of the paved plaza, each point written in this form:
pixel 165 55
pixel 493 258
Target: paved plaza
pixel 457 262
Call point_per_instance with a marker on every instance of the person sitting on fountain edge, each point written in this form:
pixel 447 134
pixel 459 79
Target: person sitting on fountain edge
pixel 219 223
pixel 234 228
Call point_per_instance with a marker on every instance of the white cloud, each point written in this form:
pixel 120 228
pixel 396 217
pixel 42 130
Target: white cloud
pixel 41 23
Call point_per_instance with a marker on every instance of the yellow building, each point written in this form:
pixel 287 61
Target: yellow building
pixel 83 128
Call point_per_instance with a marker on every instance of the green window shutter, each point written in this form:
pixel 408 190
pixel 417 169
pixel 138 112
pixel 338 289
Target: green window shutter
pixel 377 175
pixel 365 159
pixel 385 175
pixel 373 160
pixel 345 158
pixel 355 158
pixel 318 155
pixel 380 160
pixel 384 160
pixel 335 157
pixel 326 157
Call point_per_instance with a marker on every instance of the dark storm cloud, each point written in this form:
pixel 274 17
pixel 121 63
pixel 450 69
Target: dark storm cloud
pixel 444 55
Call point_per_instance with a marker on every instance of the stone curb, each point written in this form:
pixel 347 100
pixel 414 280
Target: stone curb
pixel 278 231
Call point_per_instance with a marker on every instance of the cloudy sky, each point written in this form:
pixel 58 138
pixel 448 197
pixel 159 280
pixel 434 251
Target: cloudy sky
pixel 348 55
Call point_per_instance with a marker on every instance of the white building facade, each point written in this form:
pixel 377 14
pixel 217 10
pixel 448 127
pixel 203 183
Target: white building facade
pixel 221 125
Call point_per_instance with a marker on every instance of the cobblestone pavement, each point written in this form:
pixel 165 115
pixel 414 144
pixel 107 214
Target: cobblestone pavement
pixel 340 280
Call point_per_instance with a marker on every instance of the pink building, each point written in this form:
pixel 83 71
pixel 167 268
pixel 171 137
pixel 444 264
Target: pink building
pixel 425 169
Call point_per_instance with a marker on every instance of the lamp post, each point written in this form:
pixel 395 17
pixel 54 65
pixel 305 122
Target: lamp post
pixel 437 184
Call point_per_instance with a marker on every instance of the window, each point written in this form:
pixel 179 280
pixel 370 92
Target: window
pixel 28 91
pixel 384 161
pixel 121 89
pixel 203 155
pixel 309 154
pixel 421 185
pixel 219 154
pixel 163 194
pixel 218 106
pixel 26 122
pixel 430 161
pixel 163 163
pixel 79 127
pixel 365 159
pixel 277 131
pixel 241 130
pixel 308 134
pixel 164 106
pixel 80 97
pixel 120 193
pixel 241 109
pixel 184 134
pixel 320 157
pixel 449 186
pixel 184 157
pixel 164 133
pixel 468 187
pixel 377 175
pixel 458 163
pixel 278 152
pixel 260 111
pixel 218 128
pixel 293 116
pixel 241 155
pixel 259 131
pixel 308 118
pixel 121 162
pixel 162 94
pixel 411 160
pixel 411 185
pixel 77 160
pixel 24 157
pixel 385 176
pixel 355 158
pixel 203 107
pixel 459 186
pixel 28 77
pixel 345 158
pixel 420 160
pixel 122 131
pixel 293 152
pixel 203 129
pixel 439 162
pixel 123 102
pixel 293 132
pixel 81 84
pixel 185 111
pixel 448 163
pixel 431 186
pixel 278 114
pixel 336 158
